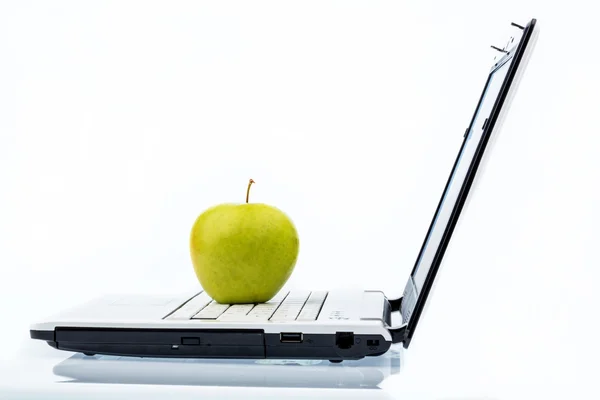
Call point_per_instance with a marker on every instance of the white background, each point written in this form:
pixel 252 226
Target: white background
pixel 121 121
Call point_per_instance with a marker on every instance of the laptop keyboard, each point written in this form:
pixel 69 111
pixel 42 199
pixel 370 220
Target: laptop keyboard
pixel 191 308
pixel 304 307
pixel 212 311
pixel 285 306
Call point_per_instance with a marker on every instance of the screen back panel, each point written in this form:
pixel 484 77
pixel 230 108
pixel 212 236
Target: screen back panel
pixel 457 188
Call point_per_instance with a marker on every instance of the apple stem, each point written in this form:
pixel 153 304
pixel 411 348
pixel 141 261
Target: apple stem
pixel 248 190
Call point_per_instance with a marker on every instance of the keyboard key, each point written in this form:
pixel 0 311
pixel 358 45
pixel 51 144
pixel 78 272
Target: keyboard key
pixel 279 297
pixel 291 306
pixel 191 308
pixel 317 297
pixel 212 311
pixel 311 309
pixel 342 304
pixel 235 312
pixel 264 311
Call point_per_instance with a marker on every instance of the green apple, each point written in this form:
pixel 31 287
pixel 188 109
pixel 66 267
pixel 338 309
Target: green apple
pixel 243 253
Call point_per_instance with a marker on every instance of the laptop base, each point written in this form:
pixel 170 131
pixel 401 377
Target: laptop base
pixel 215 343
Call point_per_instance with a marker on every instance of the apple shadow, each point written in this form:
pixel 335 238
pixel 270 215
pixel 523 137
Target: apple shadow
pixel 367 373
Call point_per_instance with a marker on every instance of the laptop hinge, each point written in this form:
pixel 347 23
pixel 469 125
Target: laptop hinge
pixel 395 304
pixel 398 334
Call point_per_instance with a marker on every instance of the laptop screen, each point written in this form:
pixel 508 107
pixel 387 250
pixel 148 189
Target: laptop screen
pixel 465 158
pixel 463 172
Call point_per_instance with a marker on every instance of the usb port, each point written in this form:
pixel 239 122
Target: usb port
pixel 290 338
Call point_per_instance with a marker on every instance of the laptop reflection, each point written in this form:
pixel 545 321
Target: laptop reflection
pixel 367 373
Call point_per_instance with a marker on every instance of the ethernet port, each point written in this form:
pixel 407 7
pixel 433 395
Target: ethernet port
pixel 344 340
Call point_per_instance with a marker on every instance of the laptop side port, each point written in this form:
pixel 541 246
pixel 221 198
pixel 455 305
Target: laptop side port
pixel 292 337
pixel 344 340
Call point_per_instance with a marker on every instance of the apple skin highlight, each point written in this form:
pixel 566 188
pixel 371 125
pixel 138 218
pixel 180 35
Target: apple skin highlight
pixel 243 253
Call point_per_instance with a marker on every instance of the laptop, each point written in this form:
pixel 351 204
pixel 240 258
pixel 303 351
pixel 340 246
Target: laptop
pixel 298 324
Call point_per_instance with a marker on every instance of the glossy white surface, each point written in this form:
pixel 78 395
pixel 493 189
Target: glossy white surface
pixel 121 121
pixel 58 376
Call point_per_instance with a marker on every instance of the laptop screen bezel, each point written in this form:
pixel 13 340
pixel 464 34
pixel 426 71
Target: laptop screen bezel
pixel 411 310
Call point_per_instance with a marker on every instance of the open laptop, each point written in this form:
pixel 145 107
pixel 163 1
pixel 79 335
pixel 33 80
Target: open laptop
pixel 302 324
